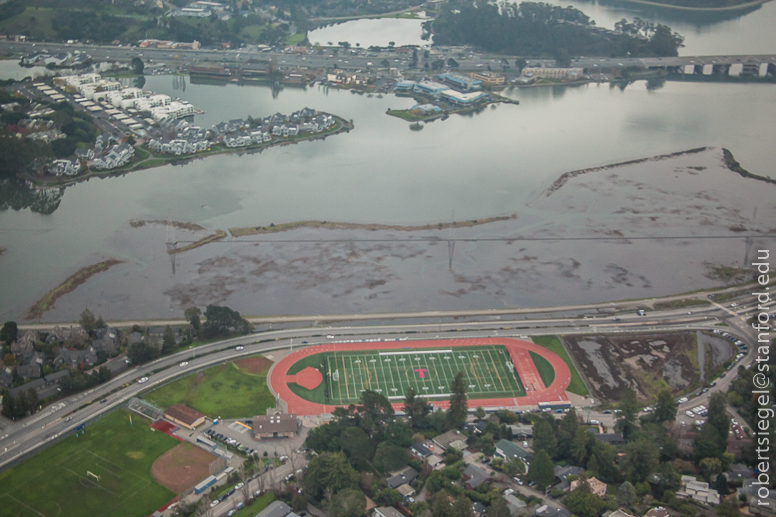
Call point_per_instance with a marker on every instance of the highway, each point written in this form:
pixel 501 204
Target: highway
pixel 360 59
pixel 19 438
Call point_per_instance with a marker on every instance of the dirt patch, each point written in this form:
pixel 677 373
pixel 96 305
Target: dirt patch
pixel 182 467
pixel 138 223
pixel 257 365
pixel 644 362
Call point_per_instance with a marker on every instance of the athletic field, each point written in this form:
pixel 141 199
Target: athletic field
pixel 488 373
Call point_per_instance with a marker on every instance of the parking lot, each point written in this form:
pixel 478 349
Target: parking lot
pixel 239 433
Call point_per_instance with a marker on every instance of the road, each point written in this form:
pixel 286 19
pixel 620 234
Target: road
pixel 21 437
pixel 361 59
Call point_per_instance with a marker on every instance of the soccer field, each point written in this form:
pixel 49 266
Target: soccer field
pixel 488 373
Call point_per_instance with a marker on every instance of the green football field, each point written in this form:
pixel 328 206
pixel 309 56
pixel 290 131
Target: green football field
pixel 488 373
pixel 104 472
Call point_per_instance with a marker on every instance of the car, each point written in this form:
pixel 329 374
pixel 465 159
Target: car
pixel 239 347
pixel 184 363
pixel 214 503
pixel 532 483
pixel 238 486
pixel 330 336
pixel 103 401
pixel 525 444
pixel 705 390
pixel 607 411
pixel 257 493
pixel 508 491
pixel 642 312
pixel 231 512
pixel 142 380
pixel 690 414
pixel 682 400
pixel 68 419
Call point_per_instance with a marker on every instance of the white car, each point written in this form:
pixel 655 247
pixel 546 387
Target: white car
pixel 214 503
pixel 184 363
pixel 142 380
pixel 238 486
pixel 508 491
pixel 239 347
pixel 683 400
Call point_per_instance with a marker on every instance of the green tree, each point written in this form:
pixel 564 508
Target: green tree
pixel 88 320
pixel 544 437
pixel 329 470
pixel 440 505
pixel 665 409
pixel 580 446
pixel 9 333
pixel 567 430
pixel 168 340
pixel 710 467
pixel 729 508
pixel 629 405
pixel 722 484
pixel 452 63
pixel 641 459
pixel 513 467
pixel 718 416
pixel 459 403
pixel 222 320
pixel 137 65
pixel 584 502
pixel 499 508
pixel 416 408
pixel 348 502
pixel 462 507
pixel 192 315
pixel 541 470
pixel 479 413
pixel 390 457
pixel 356 445
pixel 626 494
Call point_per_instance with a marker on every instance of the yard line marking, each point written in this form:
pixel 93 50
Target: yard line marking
pixel 493 361
pixel 345 376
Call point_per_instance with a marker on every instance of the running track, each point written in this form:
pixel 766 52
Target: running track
pixel 518 351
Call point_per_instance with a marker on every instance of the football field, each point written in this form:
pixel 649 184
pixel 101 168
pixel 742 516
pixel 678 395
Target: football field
pixel 488 373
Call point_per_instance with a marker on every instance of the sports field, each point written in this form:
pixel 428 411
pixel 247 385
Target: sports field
pixel 104 472
pixel 488 373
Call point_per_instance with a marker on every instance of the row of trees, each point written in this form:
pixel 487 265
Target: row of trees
pixel 19 406
pixel 540 29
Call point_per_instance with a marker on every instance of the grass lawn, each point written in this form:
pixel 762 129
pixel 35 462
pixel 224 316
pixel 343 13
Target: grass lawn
pixel 223 391
pixel 546 371
pixel 256 506
pixel 55 483
pixel 295 39
pixel 553 344
pixel 35 21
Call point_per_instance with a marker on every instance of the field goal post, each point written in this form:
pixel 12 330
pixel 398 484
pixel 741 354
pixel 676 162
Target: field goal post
pixel 95 476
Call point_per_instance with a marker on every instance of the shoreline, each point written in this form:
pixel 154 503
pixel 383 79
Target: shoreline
pixel 284 227
pixel 746 5
pixel 341 126
pixel 47 302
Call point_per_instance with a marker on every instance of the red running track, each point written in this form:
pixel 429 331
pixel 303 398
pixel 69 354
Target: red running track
pixel 518 351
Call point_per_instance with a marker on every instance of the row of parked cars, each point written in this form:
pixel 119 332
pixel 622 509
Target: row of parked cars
pixel 231 441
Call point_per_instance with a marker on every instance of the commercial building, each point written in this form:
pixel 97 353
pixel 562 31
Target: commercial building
pixel 431 88
pixel 462 99
pixel 275 426
pixel 553 73
pixel 460 82
pixel 275 509
pixel 488 79
pixel 184 416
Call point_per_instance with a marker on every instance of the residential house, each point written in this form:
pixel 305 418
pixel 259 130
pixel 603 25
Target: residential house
pixel 422 449
pixel 521 431
pixel 765 506
pixel 275 509
pixel 387 511
pixel 598 487
pixel 514 504
pixel 617 513
pixel 6 377
pixel 478 509
pixel 474 477
pixel 28 371
pixel 698 491
pixel 21 348
pixel 610 438
pixel 657 512
pixel 739 471
pixel 403 477
pixel 510 450
pixel 444 440
pixel 406 490
pixel 34 385
pixel 563 473
pixel 475 427
pixel 549 511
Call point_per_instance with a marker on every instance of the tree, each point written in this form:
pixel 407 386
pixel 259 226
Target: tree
pixel 9 333
pixel 544 437
pixel 722 484
pixel 222 320
pixel 459 403
pixel 479 413
pixel 665 409
pixel 708 443
pixel 584 502
pixel 462 507
pixel 452 63
pixel 88 321
pixel 641 459
pixel 416 408
pixel 440 505
pixel 729 508
pixel 710 467
pixel 513 467
pixel 499 508
pixel 349 502
pixel 192 315
pixel 329 470
pixel 629 405
pixel 355 443
pixel 626 494
pixel 137 65
pixel 168 340
pixel 541 470
pixel 390 457
pixel 718 416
